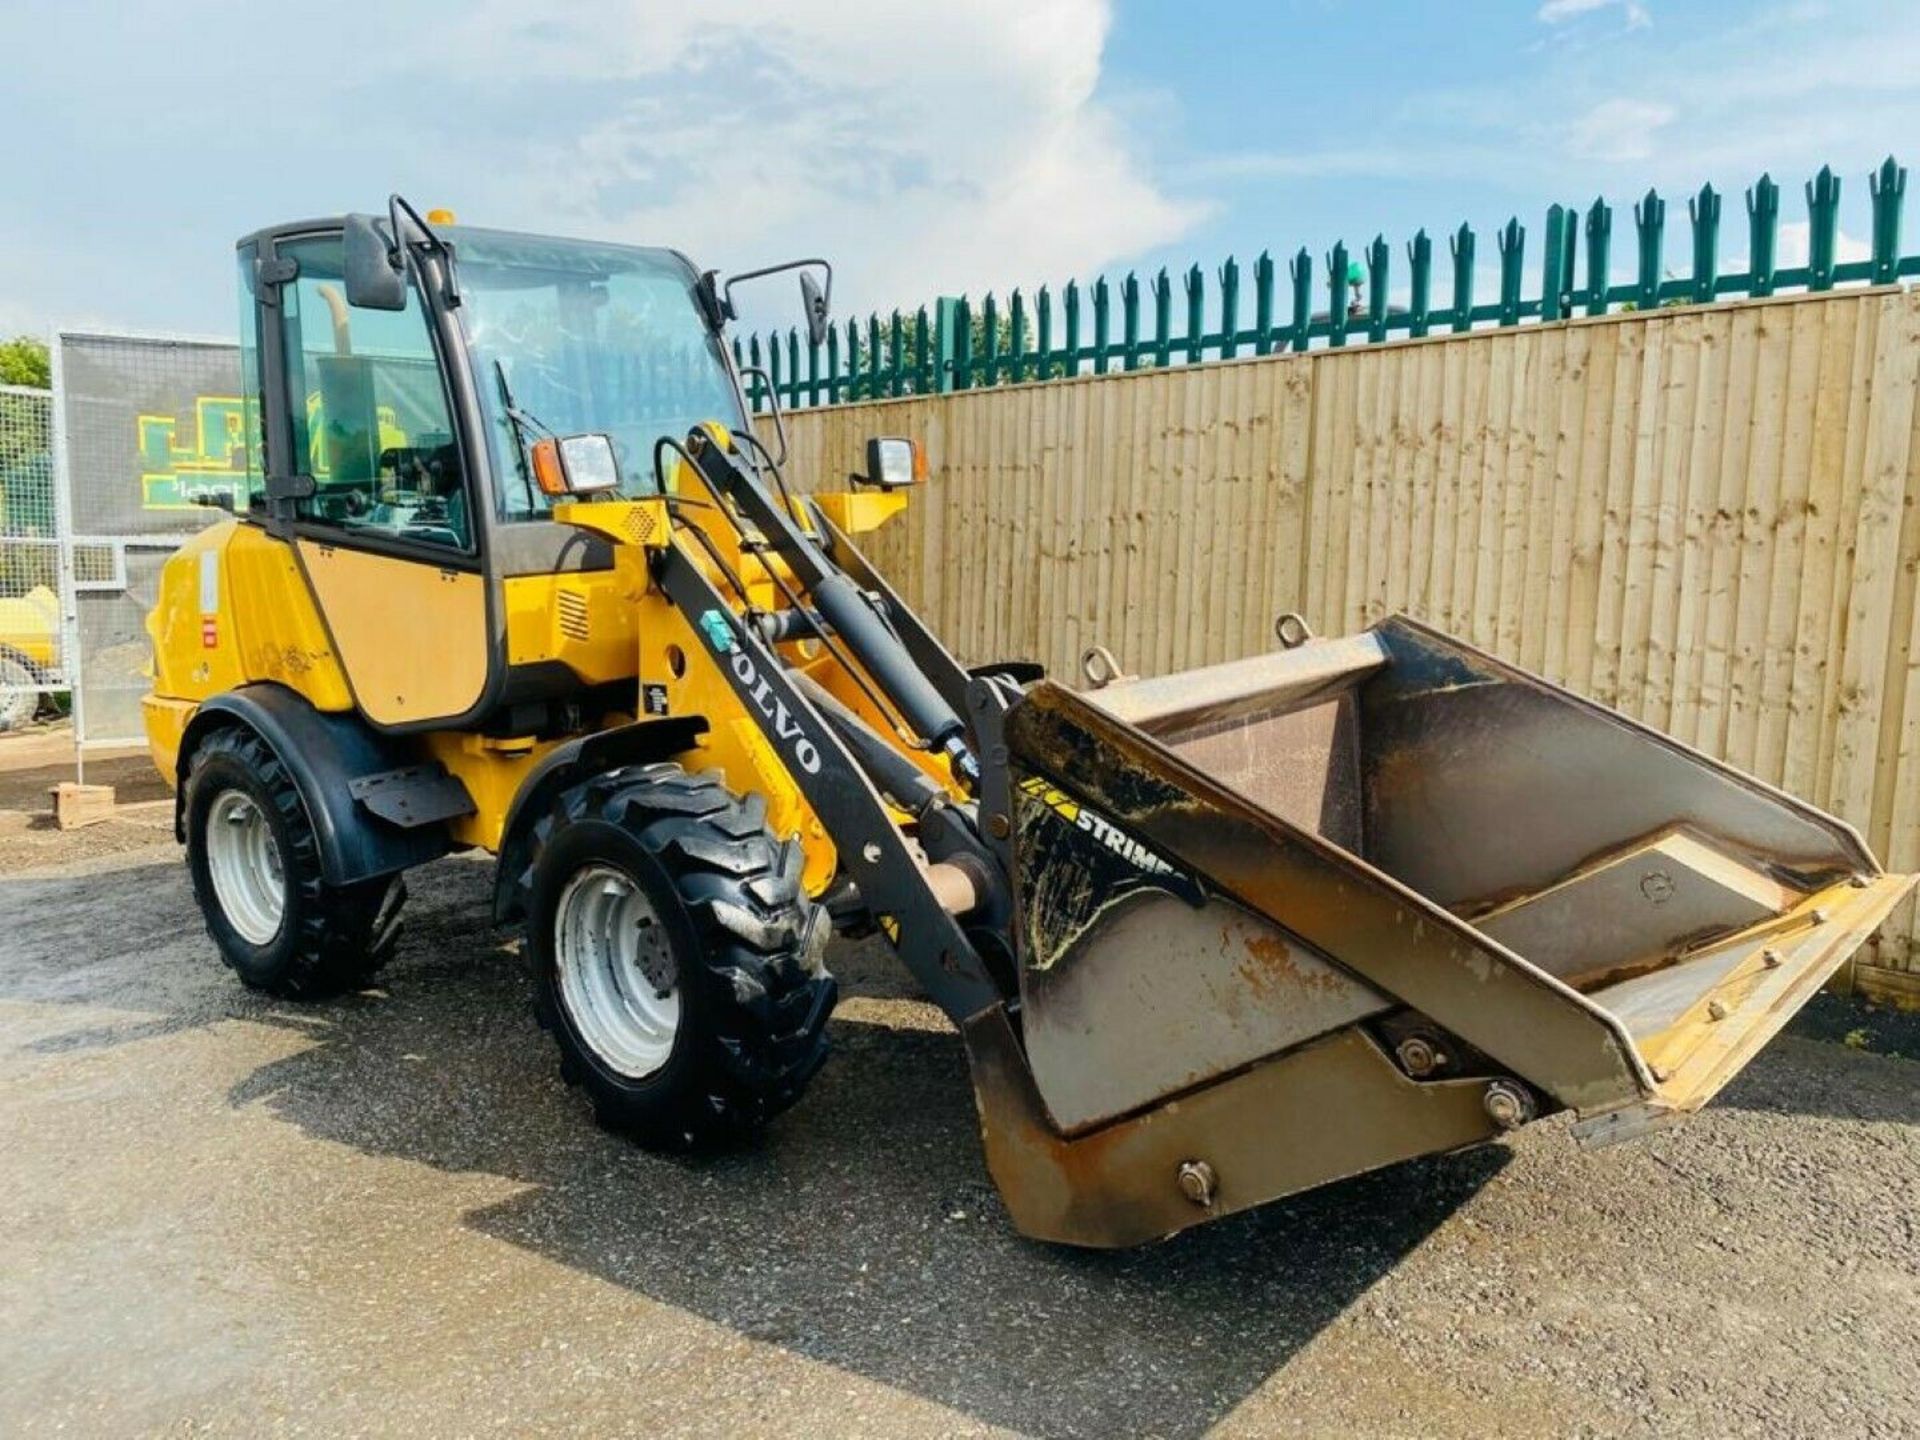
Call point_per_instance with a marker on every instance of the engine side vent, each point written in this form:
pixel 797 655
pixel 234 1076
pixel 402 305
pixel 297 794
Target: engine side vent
pixel 572 609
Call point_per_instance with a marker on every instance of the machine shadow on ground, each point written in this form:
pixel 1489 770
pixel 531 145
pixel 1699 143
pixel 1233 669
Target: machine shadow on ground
pixel 863 1232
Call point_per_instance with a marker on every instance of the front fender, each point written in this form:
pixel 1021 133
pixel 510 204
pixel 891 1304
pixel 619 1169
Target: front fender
pixel 656 738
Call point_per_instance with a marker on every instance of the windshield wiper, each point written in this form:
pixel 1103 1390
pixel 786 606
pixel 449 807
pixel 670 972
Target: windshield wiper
pixel 522 422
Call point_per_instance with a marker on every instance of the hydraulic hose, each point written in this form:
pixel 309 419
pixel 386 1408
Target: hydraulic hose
pixel 903 782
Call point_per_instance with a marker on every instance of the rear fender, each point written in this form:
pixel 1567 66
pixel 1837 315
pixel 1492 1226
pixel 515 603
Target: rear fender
pixel 325 753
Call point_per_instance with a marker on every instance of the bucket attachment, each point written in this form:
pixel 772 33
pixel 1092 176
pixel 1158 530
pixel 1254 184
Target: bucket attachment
pixel 1294 917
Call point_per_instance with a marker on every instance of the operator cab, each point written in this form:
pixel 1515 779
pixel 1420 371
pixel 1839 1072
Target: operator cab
pixel 392 440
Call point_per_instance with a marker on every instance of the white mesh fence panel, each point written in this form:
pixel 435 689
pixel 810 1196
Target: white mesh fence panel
pixel 30 640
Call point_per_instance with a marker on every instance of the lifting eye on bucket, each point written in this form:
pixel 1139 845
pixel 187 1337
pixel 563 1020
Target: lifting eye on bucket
pixel 1100 668
pixel 1291 630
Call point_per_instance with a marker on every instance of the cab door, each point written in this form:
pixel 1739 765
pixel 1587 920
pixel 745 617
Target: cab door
pixel 366 460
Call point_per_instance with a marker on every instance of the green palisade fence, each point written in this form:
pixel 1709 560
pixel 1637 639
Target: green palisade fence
pixel 956 345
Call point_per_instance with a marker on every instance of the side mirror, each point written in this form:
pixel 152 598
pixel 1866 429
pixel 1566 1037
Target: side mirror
pixel 814 295
pixel 893 463
pixel 576 465
pixel 374 275
pixel 814 301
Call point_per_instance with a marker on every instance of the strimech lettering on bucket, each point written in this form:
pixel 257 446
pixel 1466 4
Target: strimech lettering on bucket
pixel 1099 827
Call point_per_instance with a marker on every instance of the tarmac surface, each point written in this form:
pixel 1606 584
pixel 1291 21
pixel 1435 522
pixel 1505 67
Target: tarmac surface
pixel 224 1215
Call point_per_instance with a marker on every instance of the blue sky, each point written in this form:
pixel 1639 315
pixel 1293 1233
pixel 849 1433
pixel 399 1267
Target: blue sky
pixel 926 148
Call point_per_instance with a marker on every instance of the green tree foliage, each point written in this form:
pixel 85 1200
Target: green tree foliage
pixel 24 361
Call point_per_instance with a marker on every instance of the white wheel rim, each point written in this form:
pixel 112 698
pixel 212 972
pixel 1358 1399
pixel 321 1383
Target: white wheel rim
pixel 617 977
pixel 245 863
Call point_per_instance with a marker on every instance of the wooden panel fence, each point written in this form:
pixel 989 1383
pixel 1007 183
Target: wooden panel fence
pixel 1706 517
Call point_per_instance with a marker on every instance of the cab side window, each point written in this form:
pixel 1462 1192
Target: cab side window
pixel 369 415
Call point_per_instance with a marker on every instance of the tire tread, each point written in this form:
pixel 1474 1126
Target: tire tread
pixel 760 940
pixel 345 933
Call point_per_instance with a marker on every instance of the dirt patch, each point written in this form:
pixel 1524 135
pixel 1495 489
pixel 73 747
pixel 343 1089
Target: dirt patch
pixel 34 842
pixel 133 779
pixel 33 761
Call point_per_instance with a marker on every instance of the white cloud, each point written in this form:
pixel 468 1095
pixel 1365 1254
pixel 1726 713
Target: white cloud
pixel 927 149
pixel 1618 130
pixel 1793 248
pixel 1557 12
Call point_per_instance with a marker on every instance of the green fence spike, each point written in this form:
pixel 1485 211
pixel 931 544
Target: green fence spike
pixel 1300 271
pixel 1263 304
pixel 1196 310
pixel 1420 283
pixel 1070 354
pixel 1553 246
pixel 793 368
pixel 874 357
pixel 1229 277
pixel 1102 316
pixel 1016 338
pixel 1377 289
pixel 1569 256
pixel 1704 211
pixel 1043 343
pixel 1462 244
pixel 946 344
pixel 1599 228
pixel 1888 186
pixel 987 352
pixel 1162 318
pixel 1650 221
pixel 1339 305
pixel 758 394
pixel 1823 225
pixel 1511 241
pixel 896 359
pixel 833 367
pixel 964 370
pixel 929 371
pixel 1130 322
pixel 1763 234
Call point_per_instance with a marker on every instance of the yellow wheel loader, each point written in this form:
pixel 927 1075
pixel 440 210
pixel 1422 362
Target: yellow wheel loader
pixel 517 575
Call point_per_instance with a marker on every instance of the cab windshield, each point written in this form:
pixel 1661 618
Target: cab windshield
pixel 576 336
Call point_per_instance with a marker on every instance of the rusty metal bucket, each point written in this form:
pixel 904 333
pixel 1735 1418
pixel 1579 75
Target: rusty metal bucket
pixel 1294 917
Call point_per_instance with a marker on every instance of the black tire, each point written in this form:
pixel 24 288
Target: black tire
pixel 331 938
pixel 745 944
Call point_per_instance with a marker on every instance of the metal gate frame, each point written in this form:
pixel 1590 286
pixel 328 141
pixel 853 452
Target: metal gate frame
pixel 70 542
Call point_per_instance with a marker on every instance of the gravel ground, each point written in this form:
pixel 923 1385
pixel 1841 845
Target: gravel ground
pixel 222 1215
